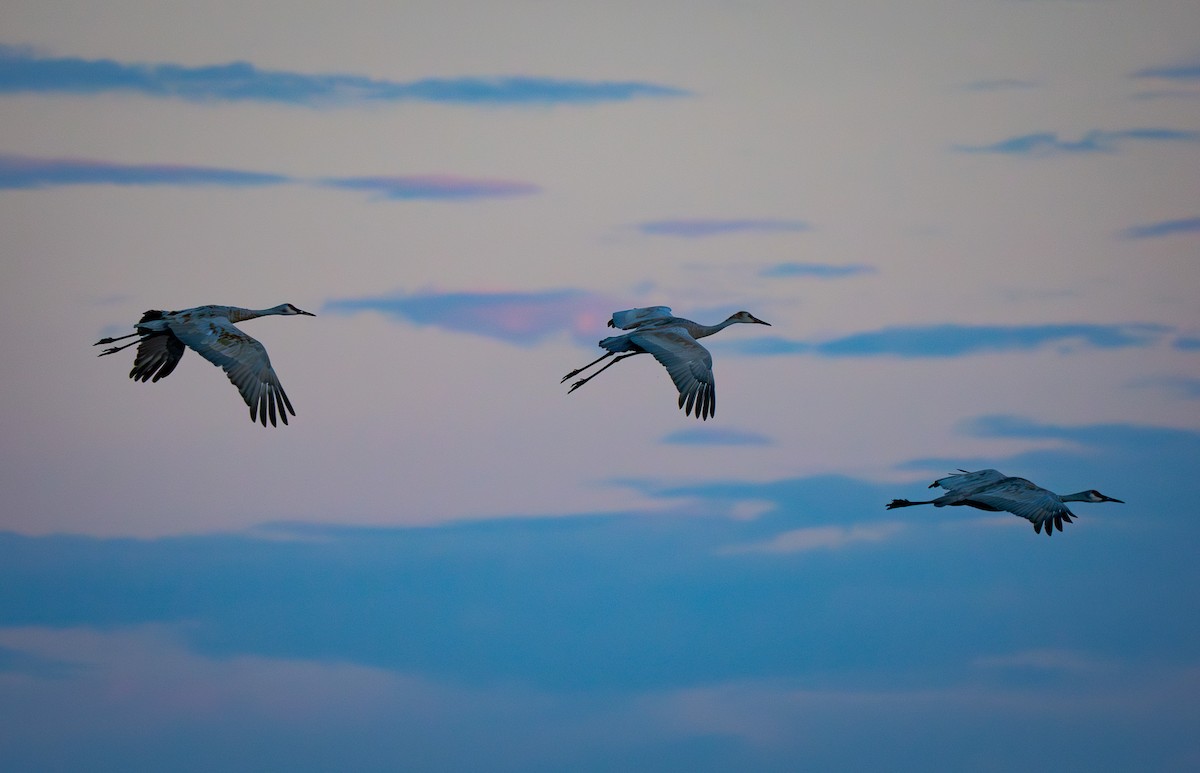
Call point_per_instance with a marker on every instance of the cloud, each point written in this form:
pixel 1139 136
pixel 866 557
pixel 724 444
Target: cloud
pixel 1187 343
pixel 432 187
pixel 819 538
pixel 1095 435
pixel 22 71
pixel 958 340
pixel 1048 143
pixel 706 436
pixel 16 661
pixel 145 701
pixel 1000 84
pixel 815 270
pixel 28 172
pixel 1184 71
pixel 1162 228
pixel 1166 94
pixel 1181 386
pixel 514 317
pixel 1045 659
pixel 703 227
pixel 469 602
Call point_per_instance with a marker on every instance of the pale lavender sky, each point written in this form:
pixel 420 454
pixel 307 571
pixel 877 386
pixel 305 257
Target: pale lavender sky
pixel 973 226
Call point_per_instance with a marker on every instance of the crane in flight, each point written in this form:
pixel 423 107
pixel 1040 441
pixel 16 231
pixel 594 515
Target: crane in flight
pixel 992 490
pixel 209 330
pixel 672 341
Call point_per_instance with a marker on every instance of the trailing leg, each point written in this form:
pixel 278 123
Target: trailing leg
pixel 905 503
pixel 581 382
pixel 118 338
pixel 577 371
pixel 115 349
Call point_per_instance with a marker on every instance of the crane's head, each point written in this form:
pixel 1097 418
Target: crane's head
pixel 747 317
pixel 288 309
pixel 1095 496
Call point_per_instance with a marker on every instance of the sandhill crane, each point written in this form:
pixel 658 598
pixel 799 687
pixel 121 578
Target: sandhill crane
pixel 992 490
pixel 209 330
pixel 672 341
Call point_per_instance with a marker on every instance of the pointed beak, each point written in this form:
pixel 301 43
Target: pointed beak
pixel 306 313
pixel 1112 499
pixel 759 321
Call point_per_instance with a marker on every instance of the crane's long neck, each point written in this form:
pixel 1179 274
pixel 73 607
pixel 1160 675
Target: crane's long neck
pixel 238 314
pixel 700 331
pixel 1081 496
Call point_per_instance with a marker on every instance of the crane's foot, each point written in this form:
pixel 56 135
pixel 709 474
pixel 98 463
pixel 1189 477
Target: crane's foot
pixel 572 373
pixel 576 385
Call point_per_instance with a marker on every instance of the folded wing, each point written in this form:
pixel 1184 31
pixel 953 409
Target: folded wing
pixel 631 318
pixel 968 481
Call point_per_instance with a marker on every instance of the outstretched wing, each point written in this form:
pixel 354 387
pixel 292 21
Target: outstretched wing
pixel 966 481
pixel 631 318
pixel 244 361
pixel 1035 504
pixel 157 355
pixel 688 363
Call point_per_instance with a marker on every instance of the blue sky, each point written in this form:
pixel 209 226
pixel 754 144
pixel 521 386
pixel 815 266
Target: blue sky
pixel 973 229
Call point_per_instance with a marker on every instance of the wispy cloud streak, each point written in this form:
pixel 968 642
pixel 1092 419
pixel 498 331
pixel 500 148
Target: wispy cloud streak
pixel 432 187
pixel 819 538
pixel 958 340
pixel 1162 228
pixel 1048 143
pixel 1184 71
pixel 17 172
pixel 716 437
pixel 1000 84
pixel 26 172
pixel 815 270
pixel 1180 386
pixel 1187 343
pixel 703 227
pixel 24 72
pixel 517 318
pixel 1044 659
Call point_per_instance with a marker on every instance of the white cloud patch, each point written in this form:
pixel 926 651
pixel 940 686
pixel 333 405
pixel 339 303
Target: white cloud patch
pixel 819 538
pixel 1046 659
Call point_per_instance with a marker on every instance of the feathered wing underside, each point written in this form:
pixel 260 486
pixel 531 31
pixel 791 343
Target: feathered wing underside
pixel 1035 504
pixel 244 361
pixel 157 355
pixel 631 318
pixel 689 365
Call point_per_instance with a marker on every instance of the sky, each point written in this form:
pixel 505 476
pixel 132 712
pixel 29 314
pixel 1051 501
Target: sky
pixel 972 224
